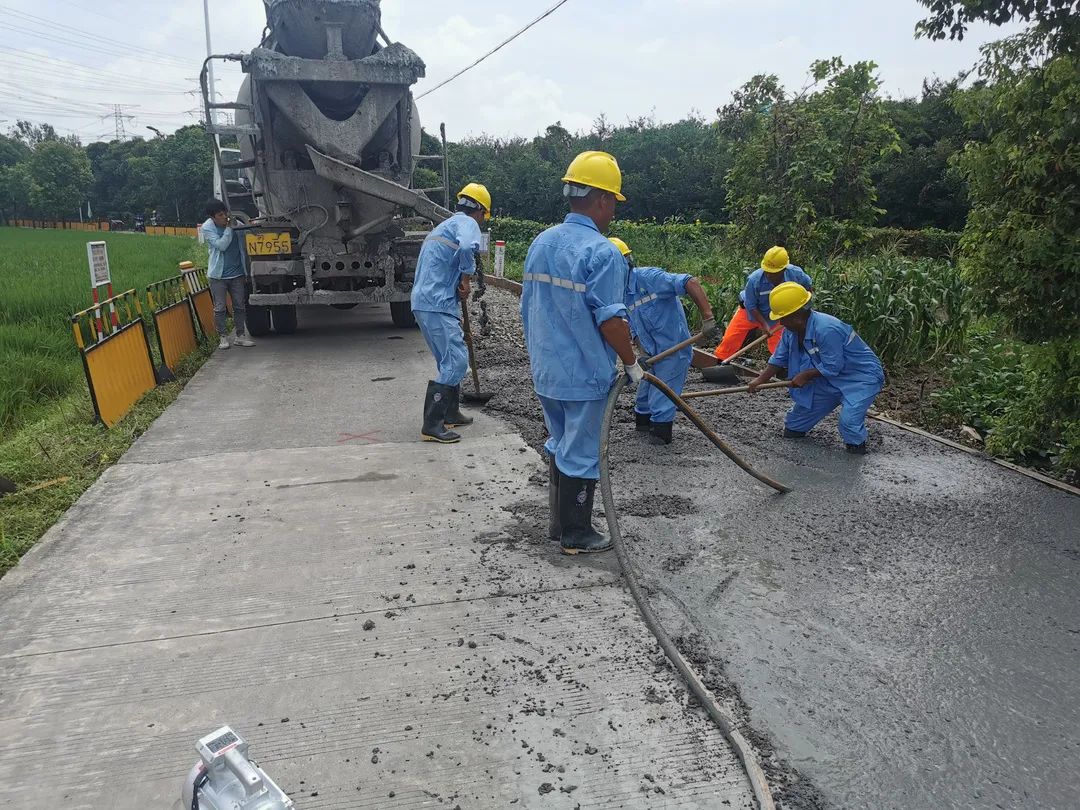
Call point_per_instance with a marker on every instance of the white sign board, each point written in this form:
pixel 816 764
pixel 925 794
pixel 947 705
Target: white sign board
pixel 98 257
pixel 500 258
pixel 485 242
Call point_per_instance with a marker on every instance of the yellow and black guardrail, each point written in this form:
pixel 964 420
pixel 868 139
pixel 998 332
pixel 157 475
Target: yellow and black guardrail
pixel 66 225
pixel 113 339
pixel 174 320
pixel 198 289
pixel 116 356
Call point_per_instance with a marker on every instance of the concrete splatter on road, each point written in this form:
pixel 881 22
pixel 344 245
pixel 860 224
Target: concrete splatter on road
pixel 901 630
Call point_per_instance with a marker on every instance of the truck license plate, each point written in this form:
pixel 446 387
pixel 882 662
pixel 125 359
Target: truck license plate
pixel 268 244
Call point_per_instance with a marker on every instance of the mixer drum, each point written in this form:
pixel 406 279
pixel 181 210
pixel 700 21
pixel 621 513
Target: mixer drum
pixel 299 26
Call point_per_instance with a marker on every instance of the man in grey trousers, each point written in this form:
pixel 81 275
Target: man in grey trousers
pixel 226 273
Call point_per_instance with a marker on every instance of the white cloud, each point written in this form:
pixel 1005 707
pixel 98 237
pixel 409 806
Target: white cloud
pixel 670 56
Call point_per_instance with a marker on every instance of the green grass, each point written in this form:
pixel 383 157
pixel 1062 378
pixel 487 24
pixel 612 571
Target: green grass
pixel 43 280
pixel 51 446
pixel 58 455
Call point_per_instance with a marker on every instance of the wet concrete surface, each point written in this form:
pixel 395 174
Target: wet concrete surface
pixel 900 631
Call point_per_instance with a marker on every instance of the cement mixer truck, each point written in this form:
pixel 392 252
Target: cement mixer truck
pixel 328 138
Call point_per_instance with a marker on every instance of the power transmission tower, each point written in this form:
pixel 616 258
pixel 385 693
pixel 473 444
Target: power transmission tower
pixel 119 115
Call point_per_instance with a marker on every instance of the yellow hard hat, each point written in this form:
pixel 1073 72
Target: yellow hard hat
pixel 597 170
pixel 624 248
pixel 776 259
pixel 478 194
pixel 786 298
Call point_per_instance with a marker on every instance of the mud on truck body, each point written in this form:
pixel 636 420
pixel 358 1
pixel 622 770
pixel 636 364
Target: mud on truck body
pixel 328 138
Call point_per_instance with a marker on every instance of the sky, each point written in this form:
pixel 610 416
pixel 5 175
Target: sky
pixel 70 62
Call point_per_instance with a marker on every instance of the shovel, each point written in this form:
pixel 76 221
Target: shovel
pixel 476 397
pixel 723 371
pixel 741 389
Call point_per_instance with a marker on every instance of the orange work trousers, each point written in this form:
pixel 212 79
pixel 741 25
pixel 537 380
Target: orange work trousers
pixel 738 328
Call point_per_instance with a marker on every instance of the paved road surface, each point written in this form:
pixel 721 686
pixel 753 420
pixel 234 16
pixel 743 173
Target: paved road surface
pixel 378 616
pixel 903 627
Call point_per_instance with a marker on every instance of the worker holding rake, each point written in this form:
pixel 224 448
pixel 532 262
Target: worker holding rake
pixel 658 322
pixel 828 364
pixel 776 268
pixel 447 260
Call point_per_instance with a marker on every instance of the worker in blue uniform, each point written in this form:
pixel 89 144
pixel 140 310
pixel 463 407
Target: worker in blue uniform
pixel 828 365
pixel 573 310
pixel 658 322
pixel 751 314
pixel 447 260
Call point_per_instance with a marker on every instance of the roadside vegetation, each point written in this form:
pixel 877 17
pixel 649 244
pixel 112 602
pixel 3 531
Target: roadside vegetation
pixel 51 447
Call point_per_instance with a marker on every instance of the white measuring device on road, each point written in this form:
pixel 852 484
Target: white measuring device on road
pixel 226 779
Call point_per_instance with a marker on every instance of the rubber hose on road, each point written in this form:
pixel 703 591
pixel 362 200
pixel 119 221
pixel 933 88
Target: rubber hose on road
pixel 754 772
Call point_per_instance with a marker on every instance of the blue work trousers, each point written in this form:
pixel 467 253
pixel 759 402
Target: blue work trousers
pixel 651 401
pixel 447 343
pixel 574 440
pixel 825 399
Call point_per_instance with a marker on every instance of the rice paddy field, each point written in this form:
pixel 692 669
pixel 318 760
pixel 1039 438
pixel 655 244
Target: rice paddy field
pixel 43 280
pixel 51 446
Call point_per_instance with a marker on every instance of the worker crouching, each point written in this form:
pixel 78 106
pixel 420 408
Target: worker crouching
pixel 658 322
pixel 828 365
pixel 574 316
pixel 446 262
pixel 776 268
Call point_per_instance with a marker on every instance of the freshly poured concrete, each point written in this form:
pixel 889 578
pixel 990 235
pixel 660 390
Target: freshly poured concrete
pixel 383 619
pixel 903 628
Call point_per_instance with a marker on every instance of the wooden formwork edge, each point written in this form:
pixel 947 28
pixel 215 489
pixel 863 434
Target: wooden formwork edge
pixel 971 451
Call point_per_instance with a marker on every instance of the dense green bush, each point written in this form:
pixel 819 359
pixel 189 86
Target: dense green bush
pixel 671 239
pixel 1024 398
pixel 1021 243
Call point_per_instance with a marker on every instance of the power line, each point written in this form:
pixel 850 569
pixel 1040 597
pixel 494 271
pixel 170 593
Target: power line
pixel 55 63
pixel 75 42
pixel 498 47
pixel 80 33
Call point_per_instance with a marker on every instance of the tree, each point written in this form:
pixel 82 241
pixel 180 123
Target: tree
pixel 918 188
pixel 61 179
pixel 1055 20
pixel 802 170
pixel 184 167
pixel 15 190
pixel 13 151
pixel 31 134
pixel 1021 248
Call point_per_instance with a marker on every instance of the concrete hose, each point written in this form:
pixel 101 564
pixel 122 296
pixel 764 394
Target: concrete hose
pixel 754 772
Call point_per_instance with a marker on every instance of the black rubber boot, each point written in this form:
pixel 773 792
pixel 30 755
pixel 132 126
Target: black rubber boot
pixel 554 524
pixel 661 433
pixel 642 422
pixel 856 449
pixel 435 402
pixel 793 434
pixel 454 417
pixel 575 514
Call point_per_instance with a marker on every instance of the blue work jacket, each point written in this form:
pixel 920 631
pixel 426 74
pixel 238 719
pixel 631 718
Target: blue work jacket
pixel 831 346
pixel 574 280
pixel 224 249
pixel 755 295
pixel 657 317
pixel 448 253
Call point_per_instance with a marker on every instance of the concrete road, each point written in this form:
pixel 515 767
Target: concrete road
pixel 903 628
pixel 383 619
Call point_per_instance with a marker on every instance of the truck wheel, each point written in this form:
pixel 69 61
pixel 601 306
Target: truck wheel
pixel 284 319
pixel 258 320
pixel 401 313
